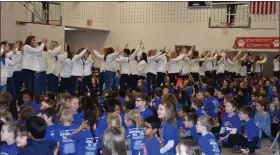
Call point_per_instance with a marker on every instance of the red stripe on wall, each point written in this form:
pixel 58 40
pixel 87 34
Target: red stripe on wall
pixel 262 7
pixel 258 7
pixel 253 10
pixel 274 8
pixel 266 7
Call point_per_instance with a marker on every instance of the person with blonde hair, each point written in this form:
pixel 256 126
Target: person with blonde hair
pixel 114 142
pixel 114 120
pixel 134 122
pixel 169 134
pixel 188 147
pixel 208 142
pixel 63 132
pixel 6 116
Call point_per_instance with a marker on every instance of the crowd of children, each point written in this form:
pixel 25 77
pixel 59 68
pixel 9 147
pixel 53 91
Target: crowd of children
pixel 196 105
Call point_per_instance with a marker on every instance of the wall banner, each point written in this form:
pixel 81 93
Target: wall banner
pixel 257 42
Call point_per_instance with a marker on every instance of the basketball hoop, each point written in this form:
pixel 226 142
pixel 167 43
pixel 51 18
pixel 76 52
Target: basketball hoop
pixel 52 22
pixel 225 26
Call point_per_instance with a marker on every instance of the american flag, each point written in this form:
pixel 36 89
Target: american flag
pixel 261 7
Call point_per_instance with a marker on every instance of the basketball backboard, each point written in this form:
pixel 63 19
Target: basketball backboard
pixel 236 14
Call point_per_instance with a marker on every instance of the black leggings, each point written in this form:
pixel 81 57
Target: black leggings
pixel 101 82
pixel 208 74
pixel 276 74
pixel 240 140
pixel 87 83
pixel 151 82
pixel 172 77
pixel 132 81
pixel 160 78
pixel 195 76
pixel 124 81
pixel 65 85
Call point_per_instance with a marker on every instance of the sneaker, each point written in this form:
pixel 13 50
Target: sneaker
pixel 237 149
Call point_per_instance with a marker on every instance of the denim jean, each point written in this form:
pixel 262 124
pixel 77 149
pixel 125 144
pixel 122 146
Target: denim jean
pixel 109 79
pixel 3 88
pixel 41 83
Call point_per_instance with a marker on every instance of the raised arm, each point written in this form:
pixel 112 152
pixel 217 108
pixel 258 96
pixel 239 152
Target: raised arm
pixel 79 55
pixel 155 56
pixel 221 60
pixel 98 55
pixel 180 57
pixel 11 62
pixel 9 54
pixel 160 56
pixel 211 58
pixel 134 54
pixel 229 61
pixel 121 59
pixel 262 61
pixel 120 51
pixel 244 57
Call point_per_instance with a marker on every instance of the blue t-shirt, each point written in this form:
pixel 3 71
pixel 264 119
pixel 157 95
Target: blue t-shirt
pixel 264 122
pixel 252 130
pixel 181 125
pixel 200 112
pixel 195 136
pixel 276 117
pixel 102 125
pixel 209 145
pixel 36 107
pixel 9 149
pixel 122 99
pixel 44 147
pixel 230 123
pixel 150 147
pixel 66 144
pixel 135 138
pixel 78 118
pixel 50 131
pixel 168 132
pixel 156 102
pixel 211 106
pixel 147 113
pixel 85 143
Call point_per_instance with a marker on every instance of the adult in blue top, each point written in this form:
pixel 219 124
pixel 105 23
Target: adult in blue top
pixel 27 97
pixel 211 104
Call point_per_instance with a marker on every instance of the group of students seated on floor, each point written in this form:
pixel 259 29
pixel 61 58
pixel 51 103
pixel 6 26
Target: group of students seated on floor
pixel 195 118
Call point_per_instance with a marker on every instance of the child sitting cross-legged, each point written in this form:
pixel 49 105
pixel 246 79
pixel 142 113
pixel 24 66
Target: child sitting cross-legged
pixel 251 137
